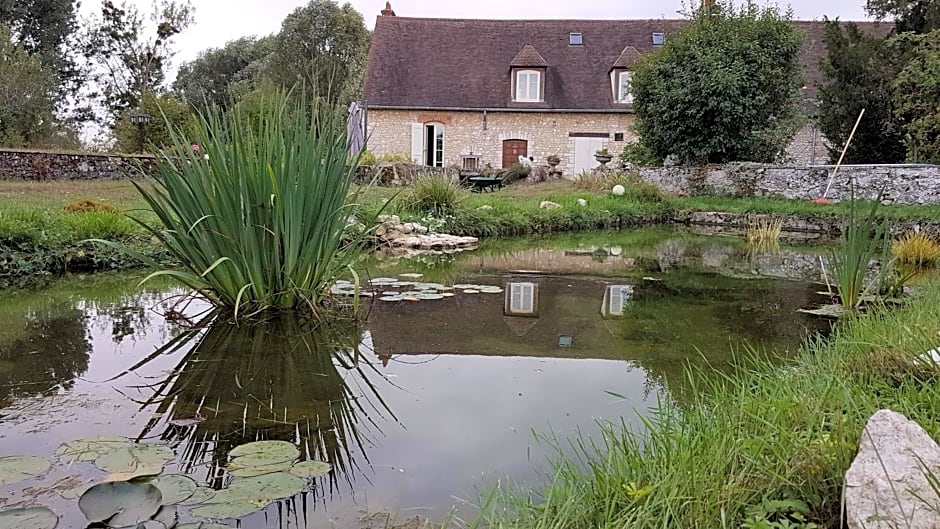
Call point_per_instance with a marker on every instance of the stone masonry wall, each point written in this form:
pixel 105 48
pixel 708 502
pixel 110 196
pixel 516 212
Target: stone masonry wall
pixel 39 165
pixel 466 133
pixel 905 184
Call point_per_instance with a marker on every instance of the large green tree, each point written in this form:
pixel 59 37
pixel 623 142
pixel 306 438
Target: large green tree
pixel 323 47
pixel 858 71
pixel 916 96
pixel 220 75
pixel 168 113
pixel 46 29
pixel 124 58
pixel 27 95
pixel 918 16
pixel 726 88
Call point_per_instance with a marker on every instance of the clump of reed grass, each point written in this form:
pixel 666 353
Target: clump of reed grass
pixel 916 249
pixel 258 217
pixel 864 239
pixel 435 194
pixel 763 236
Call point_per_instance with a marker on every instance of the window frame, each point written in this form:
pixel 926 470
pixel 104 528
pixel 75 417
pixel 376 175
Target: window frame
pixel 522 299
pixel 621 97
pixel 519 85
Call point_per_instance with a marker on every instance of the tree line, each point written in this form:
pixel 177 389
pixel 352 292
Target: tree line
pixel 60 74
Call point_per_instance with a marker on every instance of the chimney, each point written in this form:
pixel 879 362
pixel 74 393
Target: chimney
pixel 387 12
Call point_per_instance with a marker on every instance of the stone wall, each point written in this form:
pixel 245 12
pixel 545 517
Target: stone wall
pixel 473 133
pixel 41 165
pixel 904 184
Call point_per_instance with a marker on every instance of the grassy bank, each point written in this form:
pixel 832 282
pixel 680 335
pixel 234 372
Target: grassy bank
pixel 753 451
pixel 38 235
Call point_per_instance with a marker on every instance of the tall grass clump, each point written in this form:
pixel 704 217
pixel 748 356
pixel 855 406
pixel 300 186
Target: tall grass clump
pixel 916 249
pixel 436 194
pixel 258 216
pixel 864 239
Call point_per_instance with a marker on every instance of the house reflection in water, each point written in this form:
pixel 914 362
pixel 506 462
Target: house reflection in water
pixel 615 300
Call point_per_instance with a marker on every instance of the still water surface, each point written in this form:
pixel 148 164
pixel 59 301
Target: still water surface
pixel 421 406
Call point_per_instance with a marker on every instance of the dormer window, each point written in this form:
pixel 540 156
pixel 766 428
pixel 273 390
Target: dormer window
pixel 575 39
pixel 624 90
pixel 528 86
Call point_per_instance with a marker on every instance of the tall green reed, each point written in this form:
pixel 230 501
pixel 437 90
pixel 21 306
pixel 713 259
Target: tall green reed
pixel 865 238
pixel 258 216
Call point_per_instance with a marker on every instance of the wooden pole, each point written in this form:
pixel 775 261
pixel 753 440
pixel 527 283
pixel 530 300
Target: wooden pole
pixel 844 150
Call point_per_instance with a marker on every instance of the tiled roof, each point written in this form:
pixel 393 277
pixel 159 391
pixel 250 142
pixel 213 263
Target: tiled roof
pixel 465 63
pixel 628 58
pixel 528 56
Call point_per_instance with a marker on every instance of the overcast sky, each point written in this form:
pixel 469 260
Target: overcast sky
pixel 219 21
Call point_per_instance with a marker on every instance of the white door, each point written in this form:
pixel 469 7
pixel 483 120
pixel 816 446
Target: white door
pixel 584 149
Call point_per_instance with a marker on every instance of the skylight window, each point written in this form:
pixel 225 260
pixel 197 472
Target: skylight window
pixel 659 39
pixel 575 39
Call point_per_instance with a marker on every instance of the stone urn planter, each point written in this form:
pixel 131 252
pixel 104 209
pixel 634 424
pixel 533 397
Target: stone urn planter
pixel 603 159
pixel 553 161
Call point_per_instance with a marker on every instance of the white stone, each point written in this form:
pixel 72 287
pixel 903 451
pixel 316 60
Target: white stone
pixel 485 207
pixel 618 190
pixel 886 486
pixel 546 204
pixel 582 202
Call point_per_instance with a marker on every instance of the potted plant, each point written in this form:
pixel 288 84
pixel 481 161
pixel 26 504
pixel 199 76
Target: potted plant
pixel 603 156
pixel 553 160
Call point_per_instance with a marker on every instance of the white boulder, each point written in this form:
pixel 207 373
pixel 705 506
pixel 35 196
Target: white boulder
pixel 886 486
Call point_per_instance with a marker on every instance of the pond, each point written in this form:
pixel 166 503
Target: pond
pixel 417 409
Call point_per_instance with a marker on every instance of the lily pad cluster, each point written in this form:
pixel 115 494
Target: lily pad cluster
pixel 137 495
pixel 407 288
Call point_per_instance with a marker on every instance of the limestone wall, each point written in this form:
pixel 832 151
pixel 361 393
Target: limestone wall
pixel 905 184
pixel 40 165
pixel 473 133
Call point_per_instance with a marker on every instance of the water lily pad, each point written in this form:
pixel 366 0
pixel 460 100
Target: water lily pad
pixel 91 448
pixel 389 298
pixel 465 285
pixel 262 453
pixel 201 495
pixel 121 503
pixel 411 298
pixel 176 488
pixel 202 525
pixel 134 460
pixel 168 515
pixel 76 492
pixel 491 290
pixel 471 291
pixel 430 296
pixel 390 293
pixel 250 472
pixel 18 468
pixel 227 510
pixel 33 518
pixel 448 294
pixel 311 469
pixel 152 524
pixel 380 280
pixel 411 275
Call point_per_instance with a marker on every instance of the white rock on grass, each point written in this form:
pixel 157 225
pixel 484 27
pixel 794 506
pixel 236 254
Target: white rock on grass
pixel 547 204
pixel 886 486
pixel 582 202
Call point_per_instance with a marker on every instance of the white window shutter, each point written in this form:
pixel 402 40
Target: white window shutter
pixel 417 143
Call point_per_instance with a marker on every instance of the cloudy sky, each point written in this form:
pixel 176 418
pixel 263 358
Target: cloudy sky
pixel 219 21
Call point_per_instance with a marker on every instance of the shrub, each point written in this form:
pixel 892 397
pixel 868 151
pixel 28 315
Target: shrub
pixel 916 249
pixel 394 157
pixel 725 88
pixel 638 154
pixel 87 206
pixel 367 158
pixel 436 194
pixel 260 223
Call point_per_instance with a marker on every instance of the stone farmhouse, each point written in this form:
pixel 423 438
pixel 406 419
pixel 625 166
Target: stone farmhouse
pixel 471 93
